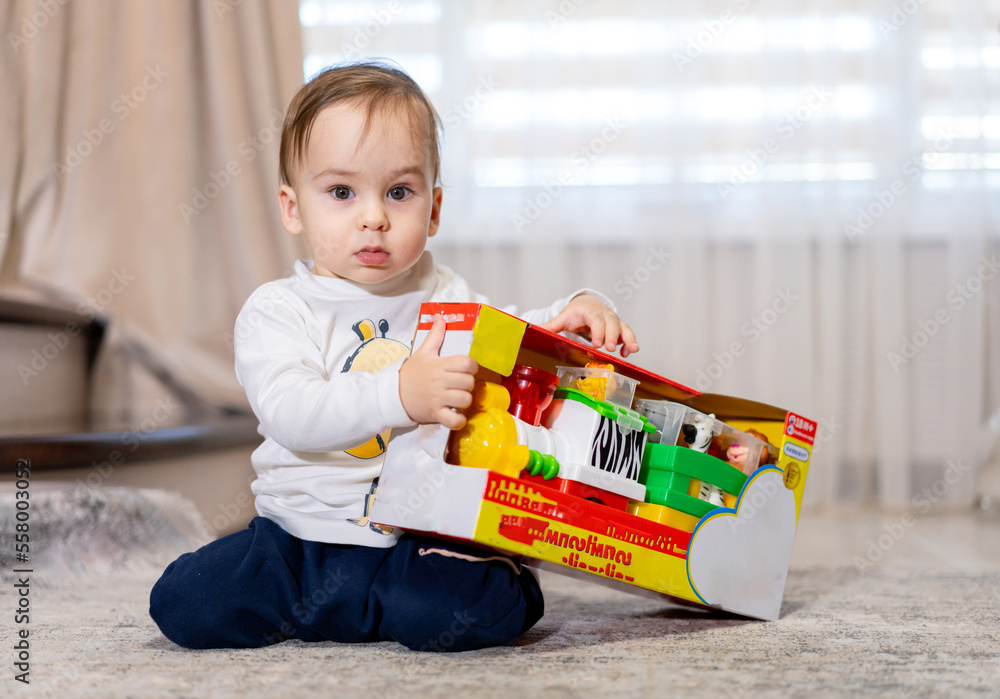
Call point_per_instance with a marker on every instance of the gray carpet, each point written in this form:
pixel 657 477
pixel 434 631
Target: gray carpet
pixel 842 633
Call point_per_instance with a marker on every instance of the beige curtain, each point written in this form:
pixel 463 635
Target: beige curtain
pixel 138 177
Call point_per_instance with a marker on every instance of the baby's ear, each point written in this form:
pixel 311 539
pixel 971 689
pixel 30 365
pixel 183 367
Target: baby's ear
pixel 289 205
pixel 435 212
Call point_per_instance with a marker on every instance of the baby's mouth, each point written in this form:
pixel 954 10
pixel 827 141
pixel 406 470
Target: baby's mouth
pixel 372 257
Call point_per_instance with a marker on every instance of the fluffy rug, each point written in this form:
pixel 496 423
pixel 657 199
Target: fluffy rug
pixel 842 632
pixel 81 531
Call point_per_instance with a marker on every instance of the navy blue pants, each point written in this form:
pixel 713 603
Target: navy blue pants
pixel 262 585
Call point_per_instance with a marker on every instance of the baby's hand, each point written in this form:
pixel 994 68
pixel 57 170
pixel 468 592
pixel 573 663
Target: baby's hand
pixel 431 385
pixel 585 314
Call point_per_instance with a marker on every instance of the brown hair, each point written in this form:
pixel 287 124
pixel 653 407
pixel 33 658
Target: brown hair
pixel 376 87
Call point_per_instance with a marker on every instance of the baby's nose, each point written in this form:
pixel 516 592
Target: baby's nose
pixel 373 217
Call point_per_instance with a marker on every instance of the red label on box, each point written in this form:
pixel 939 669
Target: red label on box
pixel 552 508
pixel 458 316
pixel 800 428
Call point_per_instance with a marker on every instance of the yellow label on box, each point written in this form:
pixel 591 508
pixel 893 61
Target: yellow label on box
pixel 496 340
pixel 585 536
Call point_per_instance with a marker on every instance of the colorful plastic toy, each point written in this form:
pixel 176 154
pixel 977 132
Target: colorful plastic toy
pixel 737 453
pixel 530 391
pixel 489 438
pixel 585 440
pixel 674 492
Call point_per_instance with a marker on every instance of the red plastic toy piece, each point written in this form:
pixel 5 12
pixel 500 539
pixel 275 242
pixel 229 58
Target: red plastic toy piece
pixel 530 391
pixel 581 490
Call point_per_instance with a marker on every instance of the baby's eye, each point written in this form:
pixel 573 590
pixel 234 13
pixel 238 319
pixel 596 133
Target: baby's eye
pixel 399 193
pixel 340 192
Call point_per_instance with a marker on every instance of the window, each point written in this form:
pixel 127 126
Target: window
pixel 641 116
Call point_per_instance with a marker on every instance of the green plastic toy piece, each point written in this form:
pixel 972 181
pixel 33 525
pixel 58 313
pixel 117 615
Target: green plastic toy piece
pixel 626 419
pixel 667 471
pixel 687 504
pixel 630 420
pixel 545 464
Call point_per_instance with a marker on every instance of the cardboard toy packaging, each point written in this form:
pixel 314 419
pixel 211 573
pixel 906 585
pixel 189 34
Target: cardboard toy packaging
pixel 585 464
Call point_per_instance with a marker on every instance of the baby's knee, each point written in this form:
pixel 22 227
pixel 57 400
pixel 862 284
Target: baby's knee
pixel 174 612
pixel 437 597
pixel 492 620
pixel 184 610
pixel 458 631
pixel 164 609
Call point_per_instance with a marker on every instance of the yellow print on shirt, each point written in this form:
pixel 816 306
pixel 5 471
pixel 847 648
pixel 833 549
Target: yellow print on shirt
pixel 374 354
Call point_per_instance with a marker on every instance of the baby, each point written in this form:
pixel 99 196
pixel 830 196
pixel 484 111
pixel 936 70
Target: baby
pixel 325 359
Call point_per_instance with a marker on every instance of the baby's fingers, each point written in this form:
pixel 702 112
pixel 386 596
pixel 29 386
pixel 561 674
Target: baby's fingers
pixel 452 419
pixel 461 364
pixel 458 398
pixel 629 345
pixel 559 323
pixel 611 332
pixel 455 380
pixel 597 329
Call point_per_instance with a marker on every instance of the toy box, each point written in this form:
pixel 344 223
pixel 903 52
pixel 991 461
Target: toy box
pixel 586 464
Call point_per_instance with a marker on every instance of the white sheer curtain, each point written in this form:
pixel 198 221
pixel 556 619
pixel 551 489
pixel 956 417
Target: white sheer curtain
pixel 795 204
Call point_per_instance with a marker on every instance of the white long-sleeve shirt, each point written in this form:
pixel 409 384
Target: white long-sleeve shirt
pixel 319 360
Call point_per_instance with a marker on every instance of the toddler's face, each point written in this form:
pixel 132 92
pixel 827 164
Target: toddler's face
pixel 366 203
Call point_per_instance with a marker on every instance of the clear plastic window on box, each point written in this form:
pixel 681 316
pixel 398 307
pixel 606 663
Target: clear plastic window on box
pixel 601 384
pixel 684 426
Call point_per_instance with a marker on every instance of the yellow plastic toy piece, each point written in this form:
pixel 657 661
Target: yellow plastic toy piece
pixel 663 515
pixel 594 386
pixel 489 437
